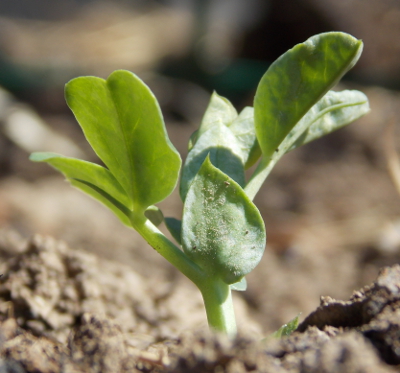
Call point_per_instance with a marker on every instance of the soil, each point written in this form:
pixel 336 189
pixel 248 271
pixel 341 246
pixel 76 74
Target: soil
pixel 82 293
pixel 68 311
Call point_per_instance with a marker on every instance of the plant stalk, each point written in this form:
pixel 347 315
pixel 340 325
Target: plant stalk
pixel 219 306
pixel 260 174
pixel 167 249
pixel 216 294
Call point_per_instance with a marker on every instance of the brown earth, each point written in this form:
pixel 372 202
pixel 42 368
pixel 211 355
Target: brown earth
pixel 68 311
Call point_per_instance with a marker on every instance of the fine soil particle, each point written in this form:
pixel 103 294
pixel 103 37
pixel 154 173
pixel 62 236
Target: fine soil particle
pixel 68 311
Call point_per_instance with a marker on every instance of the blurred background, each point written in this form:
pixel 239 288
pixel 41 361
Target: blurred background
pixel 331 209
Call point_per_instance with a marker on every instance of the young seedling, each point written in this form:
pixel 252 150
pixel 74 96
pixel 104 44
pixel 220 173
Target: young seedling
pixel 221 237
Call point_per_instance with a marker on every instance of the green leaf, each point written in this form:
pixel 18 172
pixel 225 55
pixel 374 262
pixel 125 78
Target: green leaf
pixel 333 111
pixel 222 230
pixel 239 286
pixel 287 329
pixel 296 81
pixel 219 110
pixel 225 153
pixel 244 130
pixel 192 140
pixel 174 226
pixel 229 138
pixel 93 179
pixel 155 215
pixel 122 121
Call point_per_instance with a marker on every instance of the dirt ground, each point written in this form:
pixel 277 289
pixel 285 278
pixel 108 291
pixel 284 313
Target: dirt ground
pixel 82 293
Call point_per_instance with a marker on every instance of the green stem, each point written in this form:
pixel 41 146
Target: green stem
pixel 167 249
pixel 216 294
pixel 260 174
pixel 219 307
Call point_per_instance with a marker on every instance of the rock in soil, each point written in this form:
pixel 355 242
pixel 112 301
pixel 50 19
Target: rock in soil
pixel 67 311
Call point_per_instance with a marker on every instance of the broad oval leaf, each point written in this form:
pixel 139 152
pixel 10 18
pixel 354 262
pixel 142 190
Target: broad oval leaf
pixel 333 111
pixel 296 81
pixel 219 110
pixel 93 179
pixel 122 121
pixel 245 132
pixel 225 153
pixel 222 230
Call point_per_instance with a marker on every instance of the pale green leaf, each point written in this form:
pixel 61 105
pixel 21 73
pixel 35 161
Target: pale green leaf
pixel 296 81
pixel 225 153
pixel 93 179
pixel 244 130
pixel 222 230
pixel 219 110
pixel 122 121
pixel 333 111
